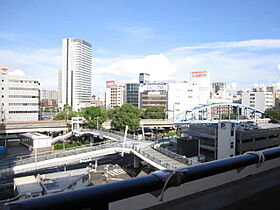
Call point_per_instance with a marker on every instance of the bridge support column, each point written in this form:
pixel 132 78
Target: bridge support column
pixel 136 162
pixel 91 138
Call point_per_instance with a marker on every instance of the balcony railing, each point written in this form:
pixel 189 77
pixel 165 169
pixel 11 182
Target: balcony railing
pixel 99 197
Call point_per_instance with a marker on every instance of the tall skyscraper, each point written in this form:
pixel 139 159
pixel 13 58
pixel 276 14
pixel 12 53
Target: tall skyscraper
pixel 75 88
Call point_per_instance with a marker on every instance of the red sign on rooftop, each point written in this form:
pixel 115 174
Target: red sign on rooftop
pixel 4 69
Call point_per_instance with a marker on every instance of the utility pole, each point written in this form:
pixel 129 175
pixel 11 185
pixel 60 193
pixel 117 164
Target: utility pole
pixel 124 139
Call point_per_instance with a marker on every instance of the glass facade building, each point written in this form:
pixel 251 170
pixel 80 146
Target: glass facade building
pixel 132 94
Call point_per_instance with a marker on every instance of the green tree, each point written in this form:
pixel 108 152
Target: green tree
pixel 47 109
pixel 128 115
pixel 224 116
pixel 95 116
pixel 273 114
pixel 67 113
pixel 233 116
pixel 154 112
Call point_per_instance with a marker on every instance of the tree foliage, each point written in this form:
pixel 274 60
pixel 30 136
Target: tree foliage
pixel 94 115
pixel 154 112
pixel 273 114
pixel 65 115
pixel 128 115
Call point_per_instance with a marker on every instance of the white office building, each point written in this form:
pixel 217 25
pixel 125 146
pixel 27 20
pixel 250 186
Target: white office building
pixel 258 99
pixel 182 96
pixel 202 79
pixel 114 94
pixel 75 76
pixel 20 98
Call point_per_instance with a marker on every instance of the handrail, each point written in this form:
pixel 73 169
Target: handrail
pixel 77 150
pixel 181 159
pixel 154 159
pixel 102 195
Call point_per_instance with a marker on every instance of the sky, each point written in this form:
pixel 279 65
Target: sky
pixel 237 41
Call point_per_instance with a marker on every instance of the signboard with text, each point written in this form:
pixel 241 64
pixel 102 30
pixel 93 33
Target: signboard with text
pixel 196 74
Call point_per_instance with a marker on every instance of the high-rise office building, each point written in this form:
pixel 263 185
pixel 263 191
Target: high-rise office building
pixel 75 86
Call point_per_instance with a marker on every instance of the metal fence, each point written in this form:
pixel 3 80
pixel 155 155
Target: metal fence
pixel 153 158
pixel 181 159
pixel 47 155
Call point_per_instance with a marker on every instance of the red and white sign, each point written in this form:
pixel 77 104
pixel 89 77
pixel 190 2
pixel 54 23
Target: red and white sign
pixel 110 84
pixel 4 69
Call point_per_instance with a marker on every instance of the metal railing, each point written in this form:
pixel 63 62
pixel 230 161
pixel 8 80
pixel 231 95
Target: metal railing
pixel 153 158
pixel 179 158
pixel 104 194
pixel 47 156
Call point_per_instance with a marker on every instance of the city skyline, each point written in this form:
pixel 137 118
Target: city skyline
pixel 237 42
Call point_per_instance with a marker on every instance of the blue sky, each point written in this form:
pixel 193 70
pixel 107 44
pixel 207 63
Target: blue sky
pixel 238 41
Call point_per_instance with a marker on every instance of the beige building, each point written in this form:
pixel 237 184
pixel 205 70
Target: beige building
pixel 114 94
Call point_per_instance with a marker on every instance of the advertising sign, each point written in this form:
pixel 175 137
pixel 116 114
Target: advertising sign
pixel 196 74
pixel 110 84
pixel 155 86
pixel 4 69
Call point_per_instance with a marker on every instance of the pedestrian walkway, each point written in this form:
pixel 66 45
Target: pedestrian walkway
pixel 164 158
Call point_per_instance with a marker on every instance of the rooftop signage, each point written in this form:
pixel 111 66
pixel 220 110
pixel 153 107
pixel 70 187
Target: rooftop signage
pixel 196 74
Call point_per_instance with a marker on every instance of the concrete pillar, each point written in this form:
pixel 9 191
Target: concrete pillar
pixel 95 164
pixel 136 162
pixel 91 138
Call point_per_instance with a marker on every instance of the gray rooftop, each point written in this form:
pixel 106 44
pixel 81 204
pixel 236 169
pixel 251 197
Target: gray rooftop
pixel 27 184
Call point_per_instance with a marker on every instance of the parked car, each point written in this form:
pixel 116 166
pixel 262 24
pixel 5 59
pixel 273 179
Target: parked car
pixel 274 121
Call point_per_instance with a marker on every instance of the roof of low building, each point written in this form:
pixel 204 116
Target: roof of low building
pixel 27 184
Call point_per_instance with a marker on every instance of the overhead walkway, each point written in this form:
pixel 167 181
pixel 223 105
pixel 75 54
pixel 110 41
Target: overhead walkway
pixel 111 135
pixel 164 161
pixel 61 138
pixel 141 149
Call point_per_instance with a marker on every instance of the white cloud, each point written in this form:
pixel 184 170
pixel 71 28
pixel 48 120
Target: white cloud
pixel 41 64
pixel 158 66
pixel 237 66
pixel 258 44
pixel 16 72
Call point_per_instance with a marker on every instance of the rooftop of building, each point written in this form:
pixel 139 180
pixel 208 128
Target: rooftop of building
pixel 27 184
